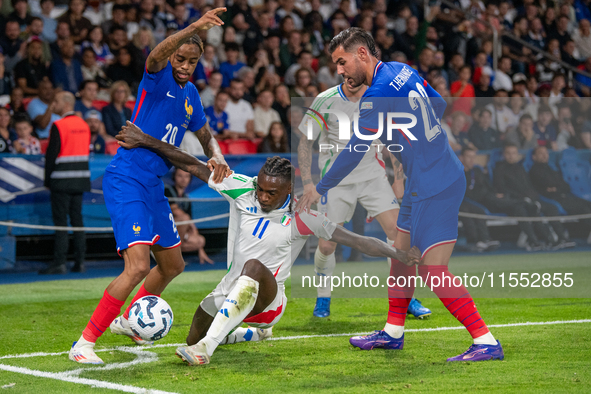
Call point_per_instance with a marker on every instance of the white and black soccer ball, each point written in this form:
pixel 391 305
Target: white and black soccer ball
pixel 150 318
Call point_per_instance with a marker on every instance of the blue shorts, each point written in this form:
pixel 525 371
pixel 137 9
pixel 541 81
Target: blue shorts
pixel 140 213
pixel 433 221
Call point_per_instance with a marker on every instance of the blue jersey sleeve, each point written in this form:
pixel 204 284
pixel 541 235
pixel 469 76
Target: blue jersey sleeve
pixel 198 118
pixel 152 81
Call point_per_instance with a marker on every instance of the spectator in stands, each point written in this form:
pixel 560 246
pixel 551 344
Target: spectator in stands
pixel 549 183
pixel 16 105
pixel 62 32
pixel 407 40
pixel 7 134
pixel 40 109
pixel 144 41
pixel 482 135
pixel 475 229
pixel 304 61
pixel 523 136
pixel 13 48
pixel 191 240
pixel 30 71
pixel 207 65
pixel 217 117
pixel 566 132
pixel 425 62
pixel 34 31
pixel 94 120
pixel 502 78
pixel 530 91
pixel 502 116
pixel 79 25
pixel 328 76
pixel 303 80
pixel 240 113
pixel 104 57
pixel 569 54
pixel 548 67
pixel 118 18
pixel 149 19
pixel 544 129
pixel 231 66
pixel 125 70
pixel 560 33
pixel 282 103
pixel 247 76
pixel 510 178
pixel 256 34
pixel 26 143
pixel 264 115
pixel 290 51
pixel 91 70
pixel 20 13
pixel 275 140
pixel 67 180
pixel 456 134
pixel 49 22
pixel 5 77
pixel 454 66
pixel 65 70
pixel 512 49
pixel 556 95
pixel 463 91
pixel 536 34
pixel 115 114
pixel 483 89
pixel 582 38
pixel 87 94
pixel 211 90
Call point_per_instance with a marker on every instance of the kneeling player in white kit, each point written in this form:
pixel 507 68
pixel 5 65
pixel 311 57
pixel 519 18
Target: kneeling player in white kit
pixel 367 184
pixel 264 239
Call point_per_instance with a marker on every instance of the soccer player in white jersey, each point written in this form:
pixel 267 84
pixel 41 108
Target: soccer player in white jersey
pixel 368 184
pixel 264 238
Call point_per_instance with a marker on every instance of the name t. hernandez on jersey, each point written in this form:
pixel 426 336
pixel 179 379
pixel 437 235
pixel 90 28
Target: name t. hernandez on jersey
pixel 274 238
pixel 372 164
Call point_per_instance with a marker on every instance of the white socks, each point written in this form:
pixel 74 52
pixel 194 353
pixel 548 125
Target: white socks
pixel 486 339
pixel 231 314
pixel 324 267
pixel 84 342
pixel 391 243
pixel 243 334
pixel 394 331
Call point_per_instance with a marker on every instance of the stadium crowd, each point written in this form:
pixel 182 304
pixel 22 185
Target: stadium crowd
pixel 269 51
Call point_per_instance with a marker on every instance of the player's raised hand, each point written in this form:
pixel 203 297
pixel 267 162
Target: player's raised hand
pixel 306 201
pixel 130 136
pixel 210 19
pixel 220 168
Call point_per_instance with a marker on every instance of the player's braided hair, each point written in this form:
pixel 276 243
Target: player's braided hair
pixel 196 40
pixel 281 168
pixel 352 38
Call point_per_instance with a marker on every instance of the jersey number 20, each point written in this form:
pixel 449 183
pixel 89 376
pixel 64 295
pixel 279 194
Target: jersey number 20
pixel 170 131
pixel 421 99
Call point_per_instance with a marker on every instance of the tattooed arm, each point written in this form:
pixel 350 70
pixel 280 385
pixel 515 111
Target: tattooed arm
pixel 305 162
pixel 211 148
pixel 398 185
pixel 158 58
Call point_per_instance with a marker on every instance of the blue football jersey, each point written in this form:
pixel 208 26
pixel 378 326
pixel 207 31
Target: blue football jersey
pixel 164 110
pixel 428 160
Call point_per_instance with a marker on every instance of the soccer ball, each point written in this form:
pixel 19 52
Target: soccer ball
pixel 150 318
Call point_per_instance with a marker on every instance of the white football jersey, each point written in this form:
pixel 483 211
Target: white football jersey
pixel 371 166
pixel 274 238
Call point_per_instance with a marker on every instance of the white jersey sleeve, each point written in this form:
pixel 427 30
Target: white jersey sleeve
pixel 313 223
pixel 232 186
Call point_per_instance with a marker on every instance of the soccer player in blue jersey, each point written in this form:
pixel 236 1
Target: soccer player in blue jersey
pixel 167 105
pixel 428 215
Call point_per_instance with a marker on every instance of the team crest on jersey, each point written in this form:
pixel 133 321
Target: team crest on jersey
pixel 188 108
pixel 286 220
pixel 136 229
pixel 366 105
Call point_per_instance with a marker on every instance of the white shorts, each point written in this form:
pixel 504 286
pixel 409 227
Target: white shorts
pixel 267 318
pixel 375 195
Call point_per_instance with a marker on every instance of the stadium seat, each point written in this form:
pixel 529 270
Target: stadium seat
pixel 26 101
pixel 100 104
pixel 111 147
pixel 577 173
pixel 223 147
pixel 241 147
pixel 44 143
pixel 561 210
pixel 485 209
pixel 130 104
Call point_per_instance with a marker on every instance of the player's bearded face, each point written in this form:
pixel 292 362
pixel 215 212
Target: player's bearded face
pixel 184 61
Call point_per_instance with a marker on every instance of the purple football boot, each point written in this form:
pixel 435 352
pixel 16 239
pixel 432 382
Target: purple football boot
pixel 481 353
pixel 379 339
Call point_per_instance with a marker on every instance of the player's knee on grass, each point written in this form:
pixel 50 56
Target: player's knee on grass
pixel 326 247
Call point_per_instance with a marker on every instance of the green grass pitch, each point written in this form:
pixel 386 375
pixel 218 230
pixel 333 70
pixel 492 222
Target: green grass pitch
pixel 48 316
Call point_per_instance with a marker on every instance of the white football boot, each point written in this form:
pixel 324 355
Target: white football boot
pixel 83 352
pixel 193 355
pixel 120 326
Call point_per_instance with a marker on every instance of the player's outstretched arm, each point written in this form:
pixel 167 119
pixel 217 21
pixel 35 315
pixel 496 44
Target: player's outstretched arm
pixel 374 247
pixel 158 58
pixel 132 136
pixel 305 163
pixel 211 148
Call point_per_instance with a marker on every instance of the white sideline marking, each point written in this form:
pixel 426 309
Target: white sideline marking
pixel 145 356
